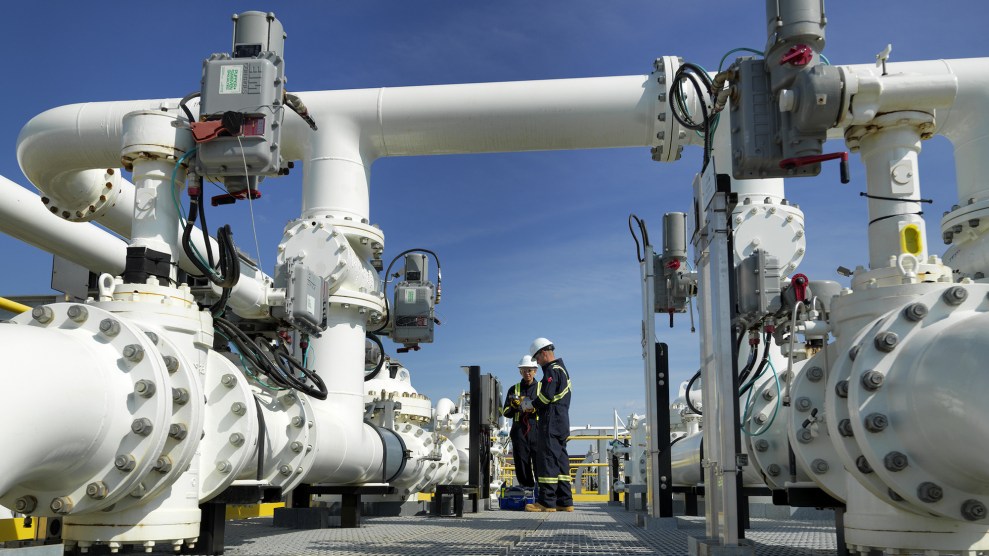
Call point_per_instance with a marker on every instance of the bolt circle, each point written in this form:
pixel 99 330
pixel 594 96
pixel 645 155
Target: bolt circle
pixel 896 461
pixel 872 380
pixel 886 341
pixel 955 295
pixel 916 312
pixel 973 510
pixel 876 422
pixel 929 492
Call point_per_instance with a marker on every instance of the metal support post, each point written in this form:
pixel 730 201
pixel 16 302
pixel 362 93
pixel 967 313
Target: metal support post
pixel 653 486
pixel 661 424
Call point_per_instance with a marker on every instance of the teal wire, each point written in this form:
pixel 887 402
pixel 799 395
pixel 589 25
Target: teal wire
pixel 776 408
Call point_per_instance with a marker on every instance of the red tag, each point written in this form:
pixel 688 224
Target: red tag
pixel 549 379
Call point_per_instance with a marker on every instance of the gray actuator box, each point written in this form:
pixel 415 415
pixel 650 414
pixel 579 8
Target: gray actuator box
pixel 253 88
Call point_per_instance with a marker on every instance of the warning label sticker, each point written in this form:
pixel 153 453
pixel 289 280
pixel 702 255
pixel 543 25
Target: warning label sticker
pixel 230 78
pixel 410 295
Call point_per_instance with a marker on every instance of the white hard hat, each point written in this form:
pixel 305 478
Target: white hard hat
pixel 538 344
pixel 527 361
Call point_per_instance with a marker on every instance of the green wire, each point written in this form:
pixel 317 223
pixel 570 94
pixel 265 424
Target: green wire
pixel 181 211
pixel 734 50
pixel 247 369
pixel 776 408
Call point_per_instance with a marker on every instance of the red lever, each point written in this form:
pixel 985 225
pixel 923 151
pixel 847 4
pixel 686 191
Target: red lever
pixel 231 198
pixel 791 163
pixel 799 283
pixel 800 55
pixel 674 264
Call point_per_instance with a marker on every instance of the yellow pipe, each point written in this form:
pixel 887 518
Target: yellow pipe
pixel 13 306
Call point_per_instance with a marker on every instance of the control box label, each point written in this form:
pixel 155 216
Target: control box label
pixel 230 79
pixel 410 295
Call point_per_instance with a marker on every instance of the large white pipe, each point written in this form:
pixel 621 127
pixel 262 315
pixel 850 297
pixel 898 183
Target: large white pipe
pixel 23 216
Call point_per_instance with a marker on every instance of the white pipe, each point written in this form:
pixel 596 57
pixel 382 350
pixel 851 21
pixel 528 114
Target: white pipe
pixel 23 216
pixel 156 218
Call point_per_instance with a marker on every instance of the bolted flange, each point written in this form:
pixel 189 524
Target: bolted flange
pixel 955 295
pixel 841 388
pixel 77 313
pixel 42 314
pixel 876 422
pixel 815 374
pixel 896 461
pixel 886 341
pixel 845 428
pixel 916 312
pixel 862 465
pixel 973 510
pixel 929 492
pixel 872 380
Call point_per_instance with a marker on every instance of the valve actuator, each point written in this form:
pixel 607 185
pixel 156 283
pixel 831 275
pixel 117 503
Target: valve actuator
pixel 413 307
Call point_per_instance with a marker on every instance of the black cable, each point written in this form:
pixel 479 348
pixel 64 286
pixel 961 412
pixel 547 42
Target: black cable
pixel 381 360
pixel 640 251
pixel 185 99
pixel 760 369
pixel 874 220
pixel 703 86
pixel 900 199
pixel 690 384
pixel 384 287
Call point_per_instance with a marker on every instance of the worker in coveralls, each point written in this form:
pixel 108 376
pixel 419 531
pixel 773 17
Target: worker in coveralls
pixel 524 434
pixel 552 405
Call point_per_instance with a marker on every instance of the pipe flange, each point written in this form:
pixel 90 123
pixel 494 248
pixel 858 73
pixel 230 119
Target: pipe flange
pixel 812 395
pixel 367 239
pixel 230 411
pixel 151 134
pixel 85 196
pixel 318 243
pixel 290 413
pixel 923 121
pixel 670 136
pixel 897 451
pixel 186 426
pixel 137 434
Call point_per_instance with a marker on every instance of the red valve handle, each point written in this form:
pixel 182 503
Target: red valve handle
pixel 800 55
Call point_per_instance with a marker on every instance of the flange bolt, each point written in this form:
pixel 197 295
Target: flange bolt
pixel 761 445
pixel 61 505
pixel 42 314
pixel 77 313
pixel 973 510
pixel 894 495
pixel 228 380
pixel 804 436
pixel 142 426
pixel 238 408
pixel 929 492
pixel 841 388
pixel 180 396
pixel 223 466
pixel 820 466
pixel 803 403
pixel 297 446
pixel 144 388
pixel 237 439
pixel 955 295
pixel 26 504
pixel 109 327
pixel 178 431
pixel 896 461
pixel 163 464
pixel 285 470
pixel 815 374
pixel 854 352
pixel 886 341
pixel 876 422
pixel 298 421
pixel 769 394
pixel 845 428
pixel 125 462
pixel 773 470
pixel 133 352
pixel 171 363
pixel 872 380
pixel 915 312
pixel 97 490
pixel 151 336
pixel 862 465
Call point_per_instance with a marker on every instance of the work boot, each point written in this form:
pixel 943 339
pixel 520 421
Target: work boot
pixel 537 507
pixel 565 508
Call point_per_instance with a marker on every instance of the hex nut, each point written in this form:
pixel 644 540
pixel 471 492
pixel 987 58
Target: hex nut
pixel 238 408
pixel 819 466
pixel 886 341
pixel 815 374
pixel 298 421
pixel 896 461
pixel 180 396
pixel 761 445
pixel 178 431
pixel 163 464
pixel 237 439
pixel 77 313
pixel 125 462
pixel 916 312
pixel 285 470
pixel 973 510
pixel 97 490
pixel 876 422
pixel 133 352
pixel 139 491
pixel 223 466
pixel 171 363
pixel 144 388
pixel 26 504
pixel 61 505
pixel 296 446
pixel 845 428
pixel 151 336
pixel 955 295
pixel 872 380
pixel 929 492
pixel 773 470
pixel 841 388
pixel 804 436
pixel 142 426
pixel 803 403
pixel 862 464
pixel 228 380
pixel 769 394
pixel 43 314
pixel 109 327
pixel 894 496
pixel 854 352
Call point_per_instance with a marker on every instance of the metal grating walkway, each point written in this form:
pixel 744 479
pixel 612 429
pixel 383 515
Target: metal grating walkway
pixel 592 530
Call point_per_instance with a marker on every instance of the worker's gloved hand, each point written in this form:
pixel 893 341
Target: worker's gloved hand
pixel 516 402
pixel 527 405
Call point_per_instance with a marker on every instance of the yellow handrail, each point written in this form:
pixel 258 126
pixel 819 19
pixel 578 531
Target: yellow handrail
pixel 13 306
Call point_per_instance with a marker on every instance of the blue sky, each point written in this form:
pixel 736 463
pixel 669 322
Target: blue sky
pixel 532 244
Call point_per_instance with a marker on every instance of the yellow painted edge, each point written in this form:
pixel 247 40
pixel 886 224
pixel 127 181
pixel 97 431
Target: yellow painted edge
pixel 245 511
pixel 13 529
pixel 425 497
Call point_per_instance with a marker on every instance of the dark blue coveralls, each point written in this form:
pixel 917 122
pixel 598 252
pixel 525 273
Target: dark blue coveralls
pixel 552 403
pixel 524 434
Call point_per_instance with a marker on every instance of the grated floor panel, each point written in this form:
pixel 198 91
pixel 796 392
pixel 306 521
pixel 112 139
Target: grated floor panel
pixel 591 530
